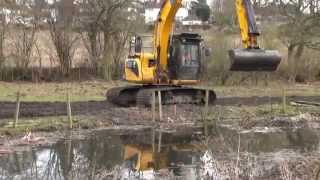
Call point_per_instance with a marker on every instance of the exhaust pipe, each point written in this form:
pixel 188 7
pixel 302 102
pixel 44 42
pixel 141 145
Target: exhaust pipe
pixel 254 60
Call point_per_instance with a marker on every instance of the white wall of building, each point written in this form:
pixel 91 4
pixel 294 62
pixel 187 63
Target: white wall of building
pixel 152 14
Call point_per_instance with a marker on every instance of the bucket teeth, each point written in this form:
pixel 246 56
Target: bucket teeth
pixel 254 60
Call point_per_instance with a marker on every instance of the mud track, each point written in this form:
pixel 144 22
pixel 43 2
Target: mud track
pixel 40 109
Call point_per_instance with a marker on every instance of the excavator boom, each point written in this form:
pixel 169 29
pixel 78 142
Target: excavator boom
pixel 163 30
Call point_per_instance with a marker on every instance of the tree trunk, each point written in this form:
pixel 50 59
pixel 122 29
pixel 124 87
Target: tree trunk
pixel 297 59
pixel 291 63
pixel 294 56
pixel 2 58
pixel 3 28
pixel 93 48
pixel 105 43
pixel 107 55
pixel 2 38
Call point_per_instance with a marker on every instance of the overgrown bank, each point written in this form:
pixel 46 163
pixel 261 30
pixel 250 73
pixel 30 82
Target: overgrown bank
pixel 43 106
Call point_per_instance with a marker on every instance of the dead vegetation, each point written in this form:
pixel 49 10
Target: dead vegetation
pixel 43 101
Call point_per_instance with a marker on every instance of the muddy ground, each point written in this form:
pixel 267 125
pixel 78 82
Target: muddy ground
pixel 41 109
pixel 178 118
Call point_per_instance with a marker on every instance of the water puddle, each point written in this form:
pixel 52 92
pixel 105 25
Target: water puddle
pixel 106 154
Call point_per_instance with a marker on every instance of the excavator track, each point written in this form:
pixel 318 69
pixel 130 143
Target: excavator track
pixel 123 96
pixel 142 95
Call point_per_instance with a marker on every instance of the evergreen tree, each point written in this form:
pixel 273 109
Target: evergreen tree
pixel 201 9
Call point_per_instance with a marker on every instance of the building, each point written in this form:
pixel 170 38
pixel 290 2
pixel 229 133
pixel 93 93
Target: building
pixel 152 8
pixel 184 17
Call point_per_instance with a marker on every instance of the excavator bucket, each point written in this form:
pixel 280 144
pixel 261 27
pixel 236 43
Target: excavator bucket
pixel 254 60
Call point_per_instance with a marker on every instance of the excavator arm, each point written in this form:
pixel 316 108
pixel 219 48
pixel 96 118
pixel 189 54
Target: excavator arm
pixel 162 32
pixel 251 58
pixel 248 27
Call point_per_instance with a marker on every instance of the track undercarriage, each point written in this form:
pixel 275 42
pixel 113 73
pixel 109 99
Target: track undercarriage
pixel 142 95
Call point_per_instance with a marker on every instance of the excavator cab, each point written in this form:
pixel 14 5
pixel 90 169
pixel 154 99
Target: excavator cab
pixel 185 56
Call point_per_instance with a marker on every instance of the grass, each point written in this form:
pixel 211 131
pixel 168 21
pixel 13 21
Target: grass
pixel 248 117
pixel 96 90
pixel 276 110
pixel 48 124
pixel 274 90
pixel 80 91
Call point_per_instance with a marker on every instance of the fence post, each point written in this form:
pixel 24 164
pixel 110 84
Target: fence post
pixel 16 116
pixel 284 100
pixel 160 105
pixel 69 110
pixel 159 141
pixel 79 74
pixel 153 107
pixel 206 112
pixel 153 139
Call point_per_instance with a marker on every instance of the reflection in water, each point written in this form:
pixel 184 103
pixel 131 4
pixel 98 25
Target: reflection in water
pixel 116 156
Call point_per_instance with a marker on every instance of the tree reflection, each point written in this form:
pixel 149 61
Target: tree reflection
pixel 109 156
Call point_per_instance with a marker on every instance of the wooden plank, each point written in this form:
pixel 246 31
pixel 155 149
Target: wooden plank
pixel 301 103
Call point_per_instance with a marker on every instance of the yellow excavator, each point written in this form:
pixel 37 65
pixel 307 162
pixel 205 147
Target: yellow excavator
pixel 176 59
pixel 143 157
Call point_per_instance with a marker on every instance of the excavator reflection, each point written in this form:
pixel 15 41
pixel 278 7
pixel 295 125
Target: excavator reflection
pixel 179 151
pixel 171 156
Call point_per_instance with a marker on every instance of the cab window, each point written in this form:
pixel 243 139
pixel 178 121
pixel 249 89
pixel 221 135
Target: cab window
pixel 190 55
pixel 131 64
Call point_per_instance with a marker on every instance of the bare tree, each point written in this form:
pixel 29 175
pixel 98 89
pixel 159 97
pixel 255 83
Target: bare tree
pixel 25 17
pixel 300 30
pixel 223 12
pixel 104 27
pixel 89 22
pixel 118 43
pixel 100 16
pixel 60 22
pixel 3 30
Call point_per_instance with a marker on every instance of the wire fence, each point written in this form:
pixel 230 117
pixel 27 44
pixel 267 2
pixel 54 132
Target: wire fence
pixel 49 74
pixel 67 104
pixel 19 105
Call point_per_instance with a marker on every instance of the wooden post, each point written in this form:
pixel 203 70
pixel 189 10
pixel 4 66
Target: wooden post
pixel 284 100
pixel 154 151
pixel 205 119
pixel 16 116
pixel 207 103
pixel 79 73
pixel 153 139
pixel 69 110
pixel 159 143
pixel 160 106
pixel 69 156
pixel 153 107
pixel 270 102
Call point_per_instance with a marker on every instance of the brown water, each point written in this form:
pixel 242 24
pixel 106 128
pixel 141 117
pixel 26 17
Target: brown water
pixel 106 154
